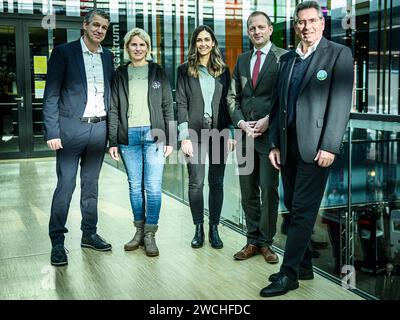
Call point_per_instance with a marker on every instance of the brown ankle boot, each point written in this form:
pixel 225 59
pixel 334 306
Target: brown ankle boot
pixel 138 238
pixel 150 245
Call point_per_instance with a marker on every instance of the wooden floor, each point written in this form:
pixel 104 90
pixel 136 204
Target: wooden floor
pixel 179 273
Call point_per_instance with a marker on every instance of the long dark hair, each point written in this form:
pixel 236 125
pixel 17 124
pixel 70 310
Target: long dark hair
pixel 216 65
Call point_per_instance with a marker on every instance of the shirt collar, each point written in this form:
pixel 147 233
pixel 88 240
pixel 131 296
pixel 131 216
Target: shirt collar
pixel 309 51
pixel 85 48
pixel 204 70
pixel 264 50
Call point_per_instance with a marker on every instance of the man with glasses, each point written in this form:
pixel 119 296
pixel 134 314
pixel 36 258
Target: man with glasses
pixel 75 105
pixel 249 101
pixel 311 107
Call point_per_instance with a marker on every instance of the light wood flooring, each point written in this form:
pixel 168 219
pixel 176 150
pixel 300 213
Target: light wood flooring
pixel 179 273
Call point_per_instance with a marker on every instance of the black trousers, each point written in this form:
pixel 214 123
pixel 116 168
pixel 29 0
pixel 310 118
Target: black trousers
pixel 87 147
pixel 303 186
pixel 217 153
pixel 259 192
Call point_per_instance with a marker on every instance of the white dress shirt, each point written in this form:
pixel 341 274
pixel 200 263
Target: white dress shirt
pixel 95 81
pixel 265 51
pixel 310 50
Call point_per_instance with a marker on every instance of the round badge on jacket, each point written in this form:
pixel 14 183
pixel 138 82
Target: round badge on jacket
pixel 322 75
pixel 156 84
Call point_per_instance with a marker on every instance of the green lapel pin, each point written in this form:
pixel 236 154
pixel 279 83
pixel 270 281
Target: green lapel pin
pixel 322 75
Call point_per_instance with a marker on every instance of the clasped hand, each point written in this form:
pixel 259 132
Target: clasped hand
pixel 255 129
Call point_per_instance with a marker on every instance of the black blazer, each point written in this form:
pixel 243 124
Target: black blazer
pixel 159 101
pixel 190 103
pixel 65 95
pixel 324 103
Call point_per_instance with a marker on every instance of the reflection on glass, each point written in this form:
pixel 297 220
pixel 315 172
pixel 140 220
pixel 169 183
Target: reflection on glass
pixel 39 53
pixel 375 202
pixel 38 40
pixel 9 125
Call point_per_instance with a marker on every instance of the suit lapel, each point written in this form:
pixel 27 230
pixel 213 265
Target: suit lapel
pixel 247 59
pixel 216 99
pixel 319 54
pixel 81 64
pixel 197 88
pixel 268 60
pixel 289 69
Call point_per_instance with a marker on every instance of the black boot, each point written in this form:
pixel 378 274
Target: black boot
pixel 198 239
pixel 214 238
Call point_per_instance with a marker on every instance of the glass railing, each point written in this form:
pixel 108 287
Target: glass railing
pixel 357 232
pixel 371 237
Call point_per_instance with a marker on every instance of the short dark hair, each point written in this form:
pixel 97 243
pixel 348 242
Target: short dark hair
pixel 307 5
pixel 258 13
pixel 95 12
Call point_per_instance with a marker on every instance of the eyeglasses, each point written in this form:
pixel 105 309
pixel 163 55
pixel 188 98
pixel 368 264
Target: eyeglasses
pixel 313 22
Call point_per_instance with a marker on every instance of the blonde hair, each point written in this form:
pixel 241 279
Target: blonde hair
pixel 142 35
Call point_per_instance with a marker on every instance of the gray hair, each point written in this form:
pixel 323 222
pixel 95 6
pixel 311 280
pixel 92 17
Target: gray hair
pixel 307 5
pixel 142 35
pixel 95 12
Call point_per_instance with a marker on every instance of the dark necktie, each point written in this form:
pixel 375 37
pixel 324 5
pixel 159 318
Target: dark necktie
pixel 256 68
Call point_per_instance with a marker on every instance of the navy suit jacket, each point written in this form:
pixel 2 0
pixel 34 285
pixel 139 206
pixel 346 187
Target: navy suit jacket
pixel 65 95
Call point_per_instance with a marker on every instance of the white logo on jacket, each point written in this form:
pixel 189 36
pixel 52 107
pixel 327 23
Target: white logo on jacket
pixel 156 85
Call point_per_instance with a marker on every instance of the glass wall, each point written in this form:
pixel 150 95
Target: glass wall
pixel 372 244
pixel 370 28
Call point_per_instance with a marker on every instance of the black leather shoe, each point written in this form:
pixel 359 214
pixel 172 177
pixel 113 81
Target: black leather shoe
pixel 304 274
pixel 59 256
pixel 198 239
pixel 95 242
pixel 214 238
pixel 281 286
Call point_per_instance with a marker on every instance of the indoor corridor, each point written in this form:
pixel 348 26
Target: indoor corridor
pixel 179 273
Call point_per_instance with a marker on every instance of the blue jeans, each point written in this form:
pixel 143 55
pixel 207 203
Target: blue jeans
pixel 144 164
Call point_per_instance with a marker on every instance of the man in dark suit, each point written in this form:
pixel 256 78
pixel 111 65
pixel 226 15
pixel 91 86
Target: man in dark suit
pixel 75 106
pixel 249 101
pixel 312 104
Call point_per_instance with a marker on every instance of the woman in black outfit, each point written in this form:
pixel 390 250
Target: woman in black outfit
pixel 203 124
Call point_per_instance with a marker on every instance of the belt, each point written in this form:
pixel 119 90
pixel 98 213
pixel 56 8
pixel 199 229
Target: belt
pixel 207 123
pixel 93 119
pixel 207 118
